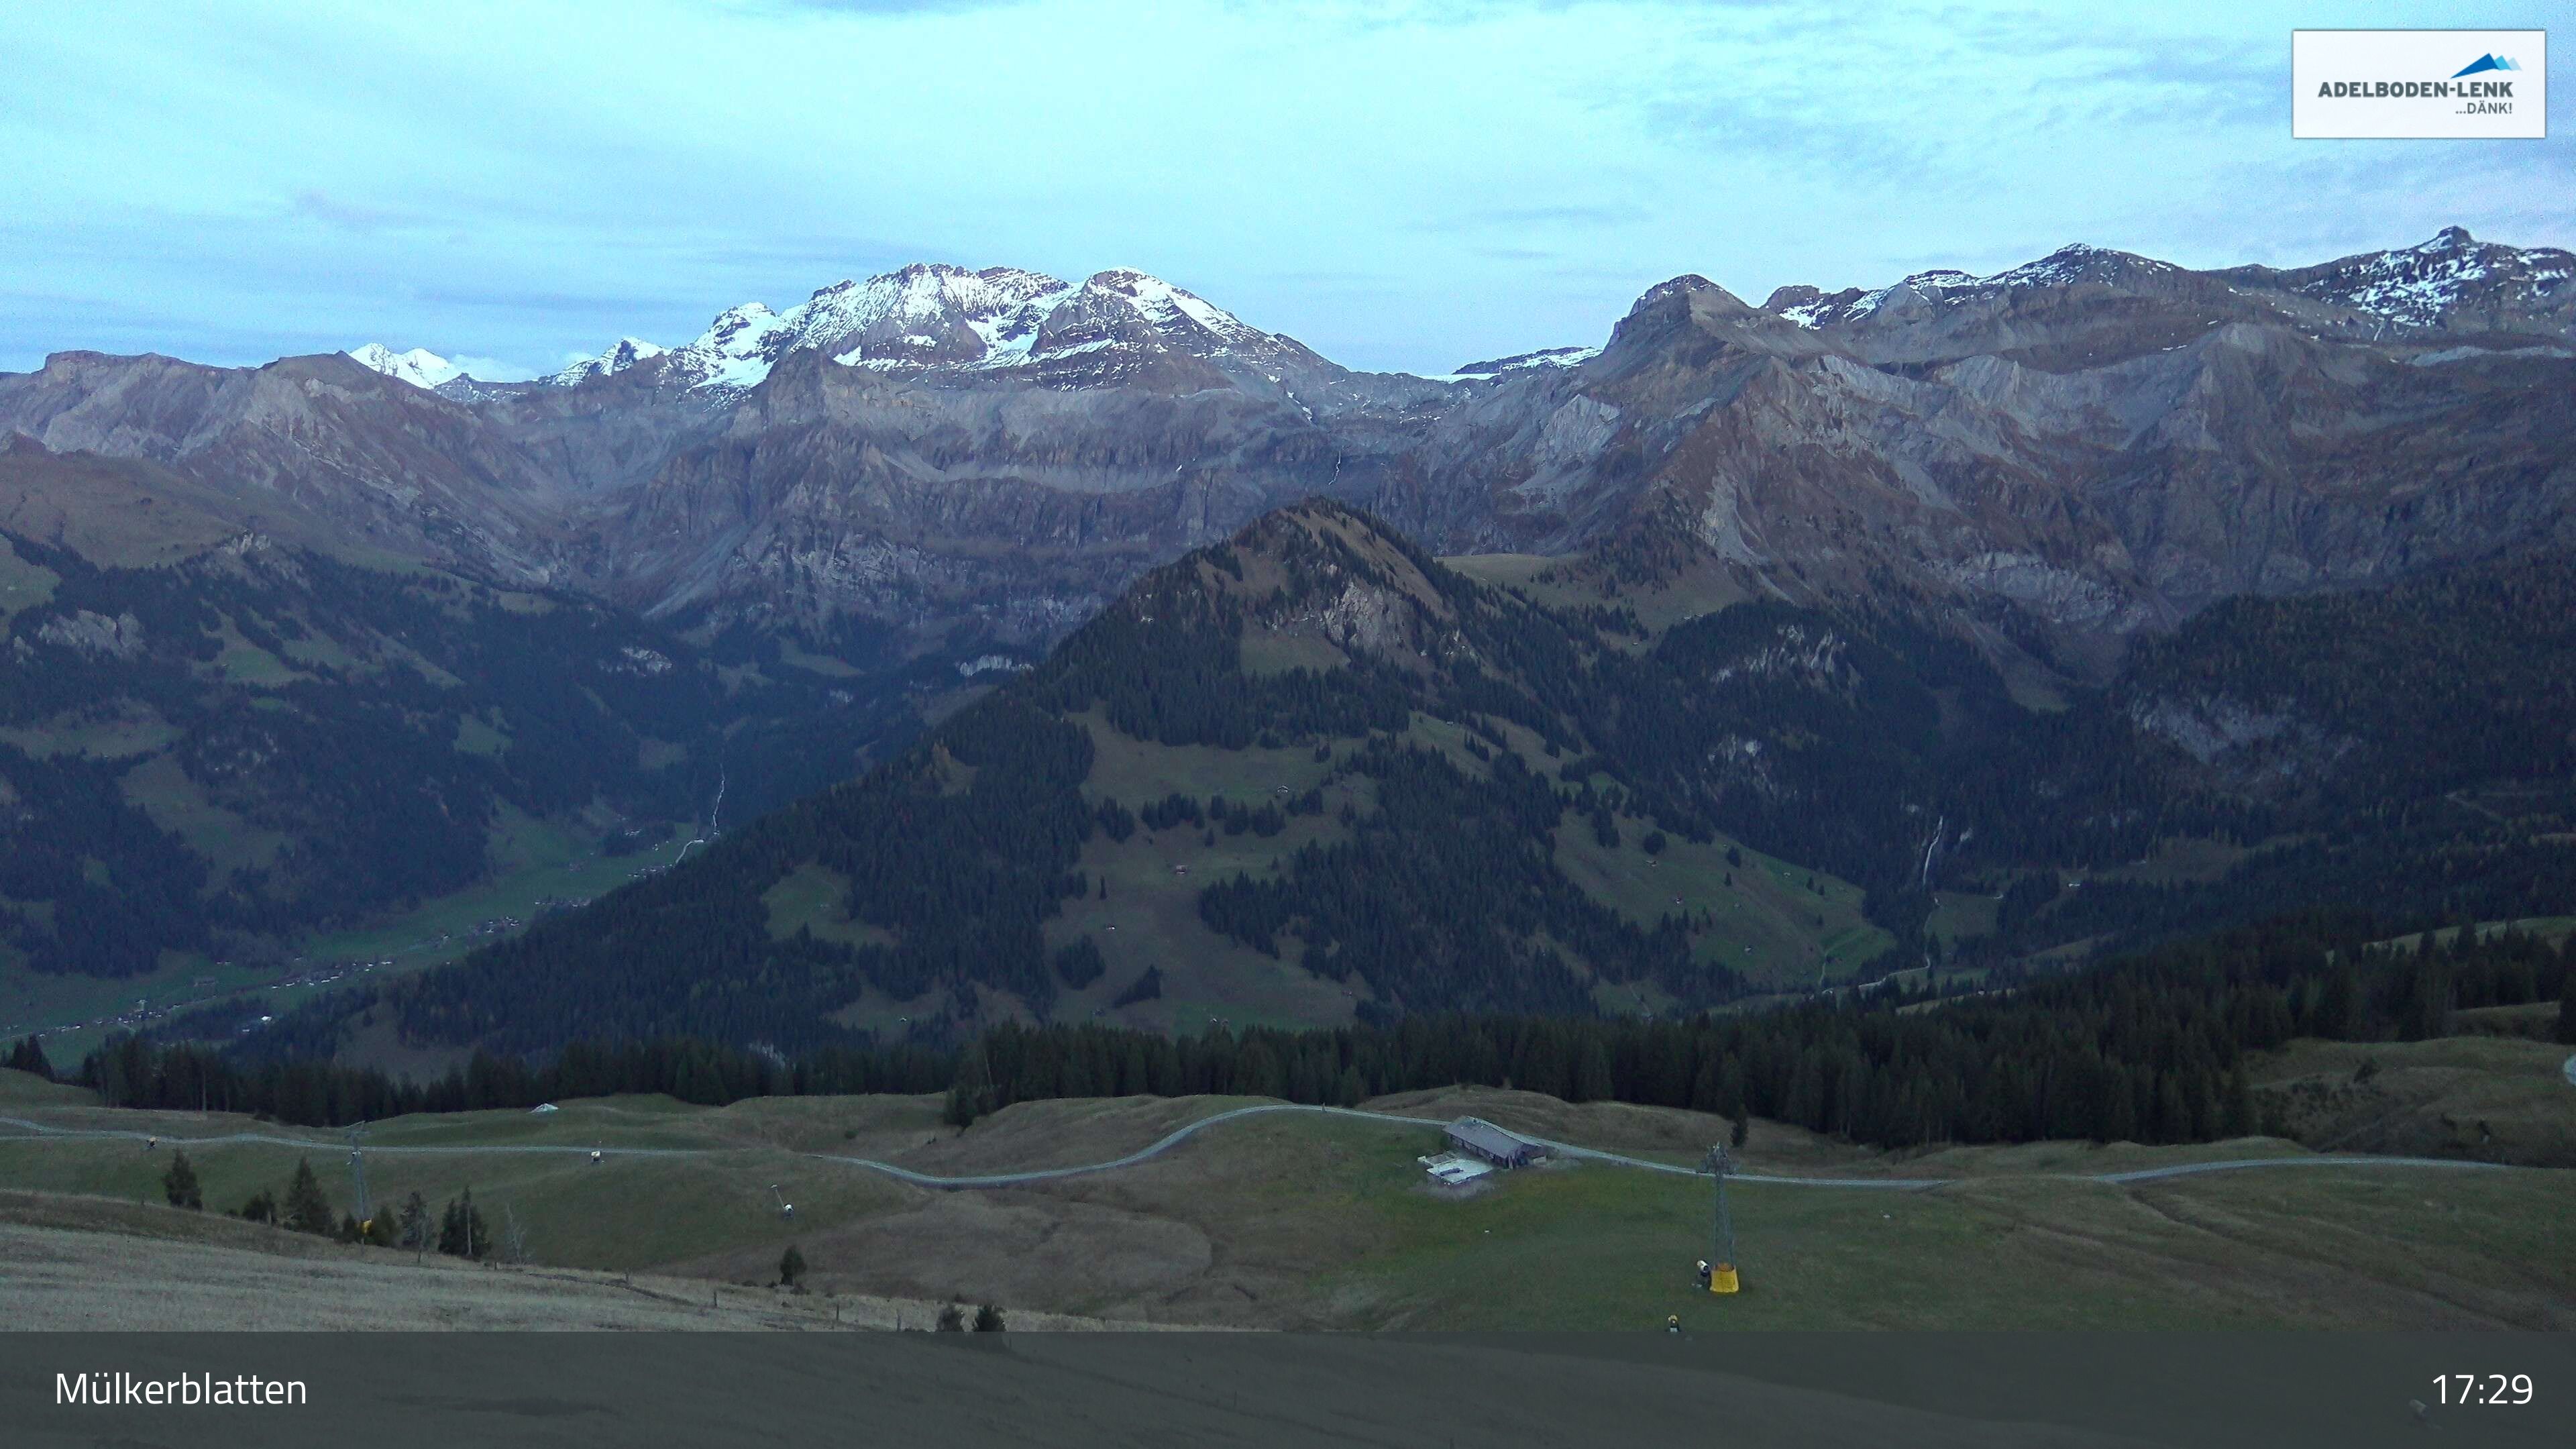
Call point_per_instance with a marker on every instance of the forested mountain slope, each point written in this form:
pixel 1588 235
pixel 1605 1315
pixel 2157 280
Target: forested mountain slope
pixel 216 741
pixel 1313 774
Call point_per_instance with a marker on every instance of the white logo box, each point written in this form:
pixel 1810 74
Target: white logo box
pixel 2436 84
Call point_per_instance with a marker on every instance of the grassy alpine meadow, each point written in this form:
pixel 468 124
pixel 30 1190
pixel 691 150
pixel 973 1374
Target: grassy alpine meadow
pixel 1302 1221
pixel 2314 1248
pixel 625 1212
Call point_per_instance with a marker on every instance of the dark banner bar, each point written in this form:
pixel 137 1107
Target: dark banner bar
pixel 1921 1391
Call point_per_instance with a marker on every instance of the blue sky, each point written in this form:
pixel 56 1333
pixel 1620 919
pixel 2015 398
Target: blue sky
pixel 1400 187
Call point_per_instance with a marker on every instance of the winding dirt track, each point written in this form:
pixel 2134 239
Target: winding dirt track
pixel 28 1130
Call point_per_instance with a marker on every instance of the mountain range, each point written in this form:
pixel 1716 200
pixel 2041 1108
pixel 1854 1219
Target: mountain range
pixel 2051 511
pixel 2071 450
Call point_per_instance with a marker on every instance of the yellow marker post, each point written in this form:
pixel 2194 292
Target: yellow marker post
pixel 1722 1279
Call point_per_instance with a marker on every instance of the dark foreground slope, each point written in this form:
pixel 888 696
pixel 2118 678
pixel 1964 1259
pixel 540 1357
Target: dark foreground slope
pixel 1313 775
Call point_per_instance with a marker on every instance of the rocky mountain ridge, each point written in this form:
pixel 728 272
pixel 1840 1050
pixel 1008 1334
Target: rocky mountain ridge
pixel 2055 456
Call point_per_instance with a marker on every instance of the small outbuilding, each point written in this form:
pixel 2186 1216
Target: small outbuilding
pixel 1479 1138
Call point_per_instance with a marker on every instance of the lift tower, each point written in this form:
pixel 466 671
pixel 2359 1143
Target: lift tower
pixel 358 1170
pixel 1721 1228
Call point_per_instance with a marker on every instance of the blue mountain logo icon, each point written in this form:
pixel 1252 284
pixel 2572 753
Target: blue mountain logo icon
pixel 2484 63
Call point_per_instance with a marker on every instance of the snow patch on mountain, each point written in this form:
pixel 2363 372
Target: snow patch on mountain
pixel 2419 286
pixel 1948 286
pixel 2481 354
pixel 1542 359
pixel 2411 286
pixel 1810 315
pixel 733 353
pixel 1164 305
pixel 1008 336
pixel 420 367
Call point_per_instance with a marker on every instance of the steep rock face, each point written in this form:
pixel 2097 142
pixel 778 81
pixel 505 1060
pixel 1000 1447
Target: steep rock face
pixel 847 489
pixel 939 446
pixel 395 467
pixel 2101 442
pixel 121 637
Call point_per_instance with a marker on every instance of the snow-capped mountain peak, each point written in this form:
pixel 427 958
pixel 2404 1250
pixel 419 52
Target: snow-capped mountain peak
pixel 1133 314
pixel 925 314
pixel 935 315
pixel 420 367
pixel 621 355
pixel 733 352
pixel 2079 262
pixel 2423 285
pixel 1165 305
pixel 2067 266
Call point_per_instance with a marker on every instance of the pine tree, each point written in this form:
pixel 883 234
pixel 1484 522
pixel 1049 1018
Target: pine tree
pixel 179 1184
pixel 959 1112
pixel 259 1207
pixel 28 1055
pixel 306 1209
pixel 414 1227
pixel 952 1319
pixel 1256 1073
pixel 2240 1103
pixel 2337 1014
pixel 971 1096
pixel 462 1233
pixel 1591 1071
pixel 988 1319
pixel 791 1266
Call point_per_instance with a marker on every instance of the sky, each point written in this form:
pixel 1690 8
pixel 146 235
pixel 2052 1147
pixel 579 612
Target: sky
pixel 1399 186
